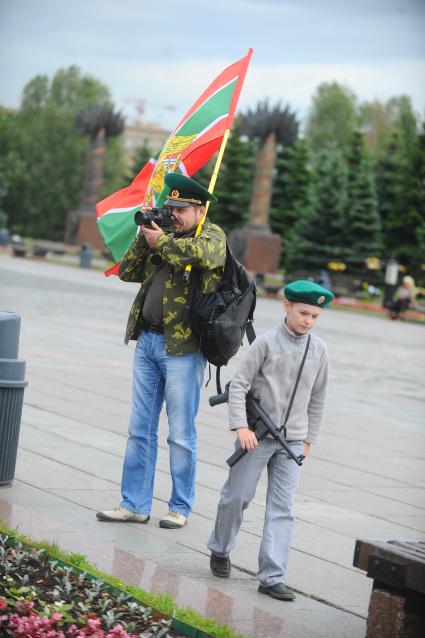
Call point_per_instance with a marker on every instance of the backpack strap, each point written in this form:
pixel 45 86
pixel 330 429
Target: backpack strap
pixel 249 331
pixel 194 281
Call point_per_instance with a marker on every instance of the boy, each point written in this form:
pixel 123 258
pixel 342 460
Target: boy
pixel 269 370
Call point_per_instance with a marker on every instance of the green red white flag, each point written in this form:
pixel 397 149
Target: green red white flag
pixel 191 144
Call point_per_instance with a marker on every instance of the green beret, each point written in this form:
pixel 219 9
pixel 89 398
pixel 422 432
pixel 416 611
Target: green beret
pixel 186 192
pixel 303 291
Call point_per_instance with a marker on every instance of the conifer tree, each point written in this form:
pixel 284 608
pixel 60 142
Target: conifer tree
pixel 400 177
pixel 291 187
pixel 317 237
pixel 362 232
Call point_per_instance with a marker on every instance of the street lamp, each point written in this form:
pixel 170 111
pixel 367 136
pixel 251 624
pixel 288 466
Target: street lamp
pixel 390 280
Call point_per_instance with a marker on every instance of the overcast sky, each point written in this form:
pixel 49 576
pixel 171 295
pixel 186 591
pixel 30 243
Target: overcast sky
pixel 166 52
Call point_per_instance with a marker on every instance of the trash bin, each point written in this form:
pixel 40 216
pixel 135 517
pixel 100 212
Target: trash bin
pixel 86 254
pixel 4 237
pixel 12 385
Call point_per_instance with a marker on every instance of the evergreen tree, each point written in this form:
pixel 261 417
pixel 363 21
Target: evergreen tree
pixel 317 237
pixel 400 179
pixel 363 225
pixel 290 189
pixel 419 200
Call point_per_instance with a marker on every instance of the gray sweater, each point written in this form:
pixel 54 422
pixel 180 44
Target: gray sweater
pixel 269 369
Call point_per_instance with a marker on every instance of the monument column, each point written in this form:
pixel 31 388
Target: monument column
pixel 254 244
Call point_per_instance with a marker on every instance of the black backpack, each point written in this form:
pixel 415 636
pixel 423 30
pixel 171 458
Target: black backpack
pixel 220 319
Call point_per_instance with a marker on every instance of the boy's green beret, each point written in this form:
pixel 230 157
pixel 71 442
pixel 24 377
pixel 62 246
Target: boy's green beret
pixel 303 291
pixel 186 192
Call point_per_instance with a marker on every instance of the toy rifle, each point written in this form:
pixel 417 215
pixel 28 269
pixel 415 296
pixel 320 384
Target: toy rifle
pixel 259 420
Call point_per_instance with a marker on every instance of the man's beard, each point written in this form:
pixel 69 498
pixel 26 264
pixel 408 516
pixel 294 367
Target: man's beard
pixel 185 233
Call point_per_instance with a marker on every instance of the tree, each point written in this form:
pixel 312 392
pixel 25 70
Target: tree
pixel 268 127
pixel 363 224
pixel 332 119
pixel 3 191
pixel 43 162
pixel 400 180
pixel 42 158
pixel 318 236
pixel 379 121
pixel 142 155
pixel 291 188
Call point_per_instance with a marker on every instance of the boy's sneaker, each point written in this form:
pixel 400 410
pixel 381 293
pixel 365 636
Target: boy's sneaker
pixel 121 515
pixel 173 520
pixel 220 566
pixel 279 591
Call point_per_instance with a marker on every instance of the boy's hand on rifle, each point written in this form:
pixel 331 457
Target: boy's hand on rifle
pixel 306 449
pixel 247 438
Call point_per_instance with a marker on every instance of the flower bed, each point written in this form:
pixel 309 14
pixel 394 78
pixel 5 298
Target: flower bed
pixel 41 597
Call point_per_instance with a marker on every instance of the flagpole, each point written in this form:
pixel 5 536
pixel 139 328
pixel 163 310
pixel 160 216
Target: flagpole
pixel 211 186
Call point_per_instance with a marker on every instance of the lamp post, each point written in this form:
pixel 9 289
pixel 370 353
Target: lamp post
pixel 390 280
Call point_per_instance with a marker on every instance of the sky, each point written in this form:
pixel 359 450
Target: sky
pixel 162 55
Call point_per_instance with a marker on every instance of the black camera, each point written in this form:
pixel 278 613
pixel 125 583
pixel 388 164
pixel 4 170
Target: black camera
pixel 160 216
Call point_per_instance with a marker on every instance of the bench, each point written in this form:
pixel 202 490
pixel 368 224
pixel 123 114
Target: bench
pixel 397 601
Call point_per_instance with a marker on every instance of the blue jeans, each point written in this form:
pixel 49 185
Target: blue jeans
pixel 158 376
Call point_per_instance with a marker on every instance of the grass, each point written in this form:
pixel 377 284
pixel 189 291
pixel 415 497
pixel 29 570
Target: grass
pixel 163 603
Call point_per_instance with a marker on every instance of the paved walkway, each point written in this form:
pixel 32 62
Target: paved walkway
pixel 364 480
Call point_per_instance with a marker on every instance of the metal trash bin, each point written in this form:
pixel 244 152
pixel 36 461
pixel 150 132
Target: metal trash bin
pixel 86 254
pixel 12 385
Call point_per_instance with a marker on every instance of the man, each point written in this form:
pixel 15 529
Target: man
pixel 168 363
pixel 270 369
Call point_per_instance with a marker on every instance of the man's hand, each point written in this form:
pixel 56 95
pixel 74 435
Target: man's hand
pixel 247 438
pixel 151 233
pixel 306 449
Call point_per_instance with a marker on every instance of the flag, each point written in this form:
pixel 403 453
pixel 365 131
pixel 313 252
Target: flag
pixel 191 144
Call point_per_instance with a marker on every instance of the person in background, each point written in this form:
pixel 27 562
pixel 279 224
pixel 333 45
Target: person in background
pixel 403 299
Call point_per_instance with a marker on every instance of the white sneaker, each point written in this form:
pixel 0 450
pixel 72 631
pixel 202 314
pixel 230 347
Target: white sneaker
pixel 173 520
pixel 121 515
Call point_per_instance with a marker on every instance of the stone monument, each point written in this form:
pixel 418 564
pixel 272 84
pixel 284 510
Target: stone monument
pixel 99 122
pixel 254 244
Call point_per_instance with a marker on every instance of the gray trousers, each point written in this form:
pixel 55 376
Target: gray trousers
pixel 238 492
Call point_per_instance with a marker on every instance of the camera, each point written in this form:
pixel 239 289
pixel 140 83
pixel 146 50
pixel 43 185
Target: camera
pixel 160 216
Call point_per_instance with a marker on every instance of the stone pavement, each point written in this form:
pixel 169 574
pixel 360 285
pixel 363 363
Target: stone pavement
pixel 365 479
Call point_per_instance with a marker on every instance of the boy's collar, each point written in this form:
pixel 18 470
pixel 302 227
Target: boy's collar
pixel 293 334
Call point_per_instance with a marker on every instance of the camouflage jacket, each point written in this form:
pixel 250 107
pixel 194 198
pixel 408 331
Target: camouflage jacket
pixel 140 263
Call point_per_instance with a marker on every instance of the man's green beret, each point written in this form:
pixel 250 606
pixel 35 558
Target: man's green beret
pixel 303 291
pixel 186 192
